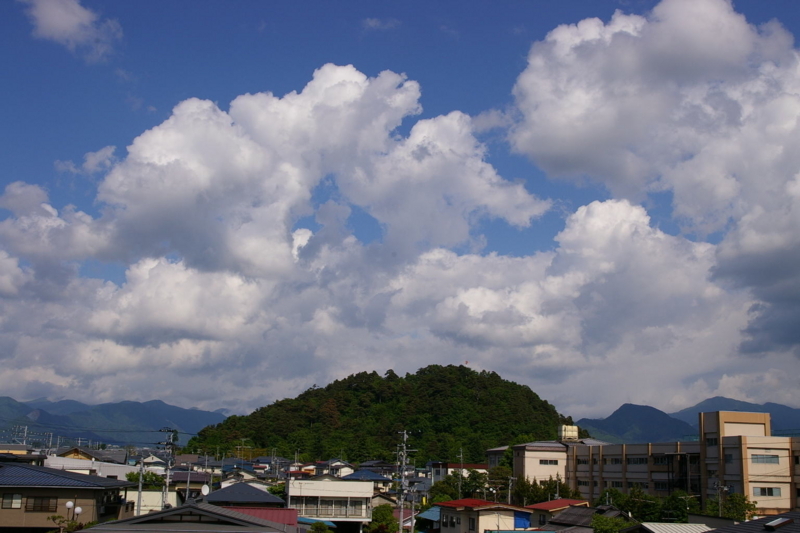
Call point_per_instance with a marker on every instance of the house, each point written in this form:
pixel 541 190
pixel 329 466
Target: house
pixel 244 494
pixel 333 467
pixel 440 470
pixel 579 519
pixel 384 468
pixel 471 515
pixel 117 455
pixel 92 468
pixel 30 494
pixel 194 481
pixel 195 517
pixel 544 512
pixel 27 458
pixel 788 522
pixel 382 484
pixel 345 503
pixel 429 521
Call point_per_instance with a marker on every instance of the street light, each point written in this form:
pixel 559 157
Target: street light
pixel 75 510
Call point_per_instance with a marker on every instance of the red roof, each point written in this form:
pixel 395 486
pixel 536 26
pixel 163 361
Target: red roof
pixel 467 502
pixel 556 504
pixel 281 516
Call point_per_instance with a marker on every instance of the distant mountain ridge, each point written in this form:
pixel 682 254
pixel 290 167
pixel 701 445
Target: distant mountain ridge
pixel 637 423
pixel 641 423
pixel 783 417
pixel 125 422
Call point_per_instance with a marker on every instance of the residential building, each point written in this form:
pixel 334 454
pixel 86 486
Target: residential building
pixel 114 455
pixel 470 515
pixel 345 503
pixel 442 469
pixel 784 523
pixel 543 512
pixel 333 467
pixel 246 495
pixel 382 484
pixel 30 494
pixel 195 517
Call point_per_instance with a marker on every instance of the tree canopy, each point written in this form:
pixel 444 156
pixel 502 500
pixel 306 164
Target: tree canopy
pixel 447 410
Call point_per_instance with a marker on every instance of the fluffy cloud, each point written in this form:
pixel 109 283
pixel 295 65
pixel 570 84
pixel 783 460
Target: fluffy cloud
pixel 70 24
pixel 693 100
pixel 242 269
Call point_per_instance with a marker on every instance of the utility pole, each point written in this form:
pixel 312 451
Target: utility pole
pixel 402 459
pixel 141 478
pixel 511 481
pixel 460 471
pixel 168 445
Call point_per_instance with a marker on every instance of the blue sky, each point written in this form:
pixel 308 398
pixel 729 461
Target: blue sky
pixel 223 193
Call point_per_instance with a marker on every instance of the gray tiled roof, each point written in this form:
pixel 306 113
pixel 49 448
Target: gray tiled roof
pixel 758 526
pixel 22 475
pixel 242 493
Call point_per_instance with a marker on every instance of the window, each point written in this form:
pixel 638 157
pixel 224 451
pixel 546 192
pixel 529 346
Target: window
pixel 616 484
pixel 728 458
pixel 41 505
pixel 542 520
pixel 594 483
pixel 661 460
pixel 452 521
pixel 472 524
pixel 797 459
pixel 594 460
pixel 548 462
pixel 12 501
pixel 662 485
pixel 766 491
pixel 765 459
pixel 583 483
pixel 636 460
pixel 583 461
pixel 616 460
pixel 712 441
pixel 443 518
pixel 641 484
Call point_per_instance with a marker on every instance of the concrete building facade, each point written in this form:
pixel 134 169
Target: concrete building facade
pixel 735 453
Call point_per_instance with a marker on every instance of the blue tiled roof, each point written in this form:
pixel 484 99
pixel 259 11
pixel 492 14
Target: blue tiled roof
pixel 19 475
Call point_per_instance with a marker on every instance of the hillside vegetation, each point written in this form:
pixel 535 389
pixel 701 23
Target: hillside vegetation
pixel 444 410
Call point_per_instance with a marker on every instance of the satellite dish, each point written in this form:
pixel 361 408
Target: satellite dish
pixel 205 490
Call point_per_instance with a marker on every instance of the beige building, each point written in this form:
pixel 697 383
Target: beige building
pixel 331 498
pixel 735 454
pixel 476 516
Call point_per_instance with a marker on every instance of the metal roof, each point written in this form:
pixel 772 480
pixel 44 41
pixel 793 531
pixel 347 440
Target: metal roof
pixel 659 527
pixel 22 475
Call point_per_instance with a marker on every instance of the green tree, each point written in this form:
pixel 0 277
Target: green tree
pixel 320 527
pixel 734 506
pixel 278 490
pixel 608 524
pixel 474 484
pixel 642 506
pixel 383 520
pixel 677 506
pixel 444 490
pixel 151 480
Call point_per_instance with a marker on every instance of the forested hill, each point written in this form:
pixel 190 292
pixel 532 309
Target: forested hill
pixel 358 418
